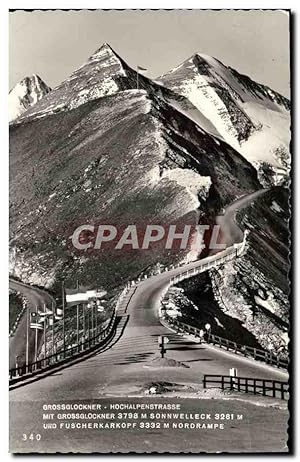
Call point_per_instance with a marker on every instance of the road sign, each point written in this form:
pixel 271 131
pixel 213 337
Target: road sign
pixel 162 340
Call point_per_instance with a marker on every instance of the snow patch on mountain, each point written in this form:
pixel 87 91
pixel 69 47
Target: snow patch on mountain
pixel 275 207
pixel 107 87
pixel 25 94
pixel 195 184
pixel 189 110
pixel 107 57
pixel 212 107
pixel 192 186
pixel 270 304
pixel 232 296
pixel 249 116
pixel 31 269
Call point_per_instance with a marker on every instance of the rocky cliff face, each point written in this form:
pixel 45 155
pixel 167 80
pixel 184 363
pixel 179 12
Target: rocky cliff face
pixel 247 300
pixel 25 95
pixel 249 116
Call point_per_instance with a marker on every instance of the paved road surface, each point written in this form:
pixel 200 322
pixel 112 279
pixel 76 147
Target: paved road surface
pixel 231 233
pixel 125 366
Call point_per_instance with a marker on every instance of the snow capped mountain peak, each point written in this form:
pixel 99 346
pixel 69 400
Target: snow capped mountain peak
pixel 105 49
pixel 251 117
pixel 101 75
pixel 104 57
pixel 26 94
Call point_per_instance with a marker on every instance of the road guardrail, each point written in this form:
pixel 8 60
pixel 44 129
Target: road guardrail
pixel 220 258
pixel 247 351
pixel 265 387
pixel 70 353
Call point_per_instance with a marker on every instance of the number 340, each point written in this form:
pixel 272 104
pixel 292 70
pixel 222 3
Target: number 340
pixel 31 437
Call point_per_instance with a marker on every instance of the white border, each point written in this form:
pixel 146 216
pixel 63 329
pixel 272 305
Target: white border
pixel 150 4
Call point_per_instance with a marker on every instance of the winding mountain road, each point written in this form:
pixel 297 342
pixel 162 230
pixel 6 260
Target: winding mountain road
pixel 231 233
pixel 137 342
pixel 125 366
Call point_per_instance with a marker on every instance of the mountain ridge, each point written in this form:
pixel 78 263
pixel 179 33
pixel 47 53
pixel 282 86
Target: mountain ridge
pixel 26 94
pixel 249 116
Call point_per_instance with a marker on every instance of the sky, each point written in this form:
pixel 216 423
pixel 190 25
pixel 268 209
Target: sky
pixel 53 44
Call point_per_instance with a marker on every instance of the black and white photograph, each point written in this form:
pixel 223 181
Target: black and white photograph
pixel 149 231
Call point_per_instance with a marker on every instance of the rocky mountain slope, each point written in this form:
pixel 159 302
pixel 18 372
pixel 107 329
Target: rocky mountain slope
pixel 26 94
pixel 251 117
pixel 92 151
pixel 255 288
pixel 247 300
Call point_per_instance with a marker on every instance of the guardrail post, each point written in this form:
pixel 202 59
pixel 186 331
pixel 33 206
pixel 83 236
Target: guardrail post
pixel 222 382
pixel 260 386
pixel 282 391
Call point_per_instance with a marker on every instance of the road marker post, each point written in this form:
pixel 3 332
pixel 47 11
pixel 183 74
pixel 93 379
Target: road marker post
pixel 96 322
pixel 208 330
pixel 201 335
pixel 233 375
pixel 162 340
pixel 17 365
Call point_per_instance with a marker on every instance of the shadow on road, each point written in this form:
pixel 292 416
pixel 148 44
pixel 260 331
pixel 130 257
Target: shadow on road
pixel 186 348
